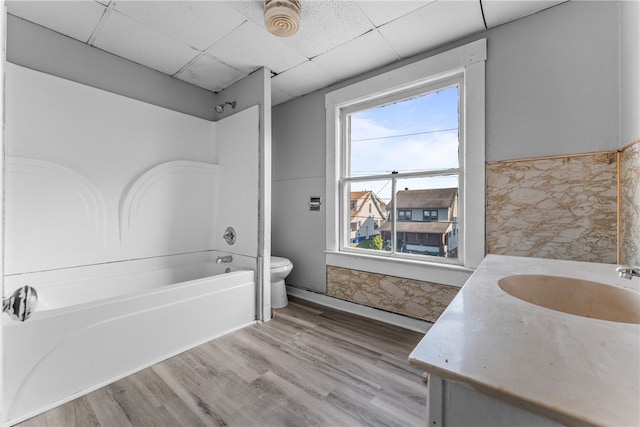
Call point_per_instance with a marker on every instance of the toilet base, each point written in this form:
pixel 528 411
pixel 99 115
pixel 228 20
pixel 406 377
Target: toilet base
pixel 279 294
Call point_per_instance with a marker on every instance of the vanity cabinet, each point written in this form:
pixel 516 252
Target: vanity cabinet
pixel 451 403
pixel 497 357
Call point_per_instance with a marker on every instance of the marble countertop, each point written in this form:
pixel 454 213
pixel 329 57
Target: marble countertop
pixel 572 369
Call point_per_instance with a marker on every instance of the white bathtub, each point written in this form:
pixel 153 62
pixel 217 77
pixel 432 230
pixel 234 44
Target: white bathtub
pixel 94 325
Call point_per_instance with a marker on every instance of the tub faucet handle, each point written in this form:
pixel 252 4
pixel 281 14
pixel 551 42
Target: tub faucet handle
pixel 21 304
pixel 229 235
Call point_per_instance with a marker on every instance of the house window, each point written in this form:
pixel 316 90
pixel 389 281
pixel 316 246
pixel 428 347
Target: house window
pixel 404 214
pixel 430 215
pixel 407 135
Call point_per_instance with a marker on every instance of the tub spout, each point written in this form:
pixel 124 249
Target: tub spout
pixel 225 259
pixel 628 272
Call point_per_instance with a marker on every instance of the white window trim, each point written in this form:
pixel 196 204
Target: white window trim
pixel 468 60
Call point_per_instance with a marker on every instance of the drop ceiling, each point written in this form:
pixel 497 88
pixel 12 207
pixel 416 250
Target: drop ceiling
pixel 213 44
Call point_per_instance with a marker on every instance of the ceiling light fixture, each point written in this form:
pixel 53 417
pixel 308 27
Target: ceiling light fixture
pixel 281 17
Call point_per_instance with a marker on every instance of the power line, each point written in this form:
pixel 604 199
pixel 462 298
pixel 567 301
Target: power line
pixel 406 134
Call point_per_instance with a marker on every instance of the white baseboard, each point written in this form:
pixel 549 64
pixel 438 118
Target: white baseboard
pixel 361 310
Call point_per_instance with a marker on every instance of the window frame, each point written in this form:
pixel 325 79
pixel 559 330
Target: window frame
pixel 430 87
pixel 402 215
pixel 467 61
pixel 429 217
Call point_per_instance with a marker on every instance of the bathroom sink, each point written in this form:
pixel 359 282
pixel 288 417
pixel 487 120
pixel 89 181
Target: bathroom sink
pixel 575 296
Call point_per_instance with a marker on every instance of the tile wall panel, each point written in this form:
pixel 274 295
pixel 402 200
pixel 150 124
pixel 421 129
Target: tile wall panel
pixel 559 208
pixel 630 204
pixel 422 300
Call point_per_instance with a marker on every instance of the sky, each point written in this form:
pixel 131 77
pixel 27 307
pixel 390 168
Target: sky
pixel 408 136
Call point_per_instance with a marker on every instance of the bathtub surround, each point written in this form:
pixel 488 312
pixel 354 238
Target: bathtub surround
pixel 255 90
pixel 414 298
pixel 61 56
pixel 106 178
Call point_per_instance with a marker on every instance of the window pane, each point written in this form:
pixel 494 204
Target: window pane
pixel 369 204
pixel 433 229
pixel 408 136
pixel 416 134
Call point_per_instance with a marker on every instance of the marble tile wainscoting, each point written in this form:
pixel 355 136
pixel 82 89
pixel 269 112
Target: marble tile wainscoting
pixel 554 207
pixel 414 298
pixel 629 210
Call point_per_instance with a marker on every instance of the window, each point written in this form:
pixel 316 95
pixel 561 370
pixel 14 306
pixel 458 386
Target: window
pixel 407 139
pixel 403 215
pixel 411 135
pixel 430 215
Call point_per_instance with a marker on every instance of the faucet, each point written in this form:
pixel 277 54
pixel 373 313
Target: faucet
pixel 225 259
pixel 628 272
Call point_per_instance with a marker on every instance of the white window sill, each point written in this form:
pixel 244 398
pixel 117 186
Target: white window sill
pixel 441 273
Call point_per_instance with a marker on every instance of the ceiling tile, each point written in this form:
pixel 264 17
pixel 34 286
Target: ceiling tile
pixel 76 19
pixel 497 12
pixel 210 74
pixel 125 37
pixel 250 47
pixel 371 49
pixel 196 23
pixel 433 25
pixel 215 43
pixel 323 24
pixel 278 96
pixel 381 12
pixel 305 78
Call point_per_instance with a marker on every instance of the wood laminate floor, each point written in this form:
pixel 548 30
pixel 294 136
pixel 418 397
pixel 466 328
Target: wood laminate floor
pixel 310 365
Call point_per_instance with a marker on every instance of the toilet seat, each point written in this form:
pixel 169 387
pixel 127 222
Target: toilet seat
pixel 278 262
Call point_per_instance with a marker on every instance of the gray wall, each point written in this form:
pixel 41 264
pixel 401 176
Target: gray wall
pixel 551 88
pixel 552 83
pixel 630 70
pixel 298 171
pixel 41 49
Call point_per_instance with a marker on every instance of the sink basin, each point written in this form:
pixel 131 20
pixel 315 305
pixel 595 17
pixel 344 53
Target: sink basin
pixel 575 296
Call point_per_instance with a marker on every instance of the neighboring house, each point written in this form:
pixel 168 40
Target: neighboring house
pixel 426 222
pixel 368 213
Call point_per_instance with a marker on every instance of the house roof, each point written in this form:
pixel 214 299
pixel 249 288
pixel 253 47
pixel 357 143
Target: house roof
pixel 417 227
pixel 434 198
pixel 357 195
pixel 362 197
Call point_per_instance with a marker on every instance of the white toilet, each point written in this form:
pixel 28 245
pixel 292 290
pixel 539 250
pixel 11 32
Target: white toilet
pixel 280 268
